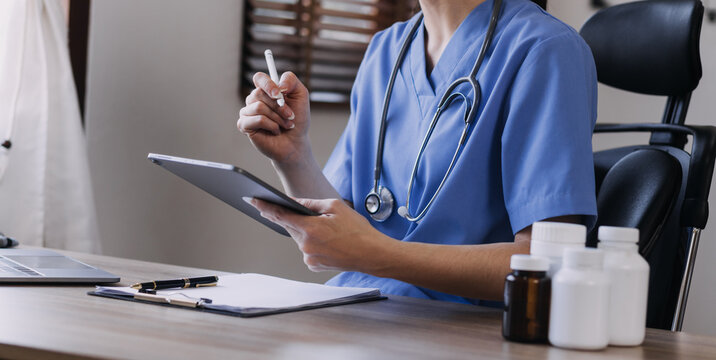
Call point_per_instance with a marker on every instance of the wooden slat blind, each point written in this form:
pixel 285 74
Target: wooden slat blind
pixel 322 41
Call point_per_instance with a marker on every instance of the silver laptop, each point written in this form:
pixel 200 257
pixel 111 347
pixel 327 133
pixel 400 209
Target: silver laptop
pixel 40 265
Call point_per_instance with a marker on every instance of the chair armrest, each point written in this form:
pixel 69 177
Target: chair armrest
pixel 695 210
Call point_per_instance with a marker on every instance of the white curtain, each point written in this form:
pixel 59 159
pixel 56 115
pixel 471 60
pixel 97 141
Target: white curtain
pixel 45 189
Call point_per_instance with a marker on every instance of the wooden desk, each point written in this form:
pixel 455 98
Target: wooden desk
pixel 58 322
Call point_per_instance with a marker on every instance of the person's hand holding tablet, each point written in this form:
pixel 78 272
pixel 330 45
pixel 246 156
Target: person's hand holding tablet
pixel 339 239
pixel 334 240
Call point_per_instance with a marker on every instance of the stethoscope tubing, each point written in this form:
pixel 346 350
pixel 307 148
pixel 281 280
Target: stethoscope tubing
pixel 386 100
pixel 453 161
pixel 447 98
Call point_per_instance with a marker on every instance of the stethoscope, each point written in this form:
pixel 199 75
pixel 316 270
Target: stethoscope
pixel 379 202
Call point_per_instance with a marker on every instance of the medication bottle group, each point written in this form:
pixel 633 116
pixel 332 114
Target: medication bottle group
pixel 577 297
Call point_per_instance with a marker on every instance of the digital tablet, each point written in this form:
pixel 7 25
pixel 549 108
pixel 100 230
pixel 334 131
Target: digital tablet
pixel 230 184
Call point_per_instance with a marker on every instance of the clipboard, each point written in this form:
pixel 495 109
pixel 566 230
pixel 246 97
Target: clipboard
pixel 248 295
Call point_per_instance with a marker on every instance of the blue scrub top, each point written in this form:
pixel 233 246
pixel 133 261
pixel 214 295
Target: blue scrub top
pixel 529 153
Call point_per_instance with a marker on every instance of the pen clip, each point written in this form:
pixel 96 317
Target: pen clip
pixel 190 302
pixel 205 285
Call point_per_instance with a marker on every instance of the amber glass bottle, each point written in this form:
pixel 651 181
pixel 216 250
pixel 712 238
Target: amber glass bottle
pixel 527 296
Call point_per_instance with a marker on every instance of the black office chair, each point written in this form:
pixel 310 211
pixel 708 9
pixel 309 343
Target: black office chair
pixel 652 47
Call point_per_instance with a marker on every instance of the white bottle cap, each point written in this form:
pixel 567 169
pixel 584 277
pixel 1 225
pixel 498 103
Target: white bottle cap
pixel 528 263
pixel 583 258
pixel 618 234
pixel 551 238
pixel 559 232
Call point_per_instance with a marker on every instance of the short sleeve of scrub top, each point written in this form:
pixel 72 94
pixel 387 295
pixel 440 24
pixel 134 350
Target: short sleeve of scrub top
pixel 528 156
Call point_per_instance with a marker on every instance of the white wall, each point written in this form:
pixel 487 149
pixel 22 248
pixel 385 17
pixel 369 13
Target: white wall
pixel 163 77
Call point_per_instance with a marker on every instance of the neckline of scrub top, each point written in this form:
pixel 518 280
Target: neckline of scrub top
pixel 451 56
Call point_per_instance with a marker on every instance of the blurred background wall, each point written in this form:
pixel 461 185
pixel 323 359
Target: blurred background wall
pixel 163 77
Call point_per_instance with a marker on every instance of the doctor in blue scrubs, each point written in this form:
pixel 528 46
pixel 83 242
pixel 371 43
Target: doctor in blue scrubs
pixel 527 155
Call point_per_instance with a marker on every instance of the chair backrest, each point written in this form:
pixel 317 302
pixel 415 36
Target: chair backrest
pixel 651 47
pixel 647 47
pixel 541 3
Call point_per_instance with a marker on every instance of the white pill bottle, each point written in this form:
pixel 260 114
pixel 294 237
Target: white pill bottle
pixel 549 239
pixel 629 276
pixel 579 311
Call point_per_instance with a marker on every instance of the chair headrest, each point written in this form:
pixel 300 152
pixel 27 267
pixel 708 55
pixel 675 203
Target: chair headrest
pixel 649 47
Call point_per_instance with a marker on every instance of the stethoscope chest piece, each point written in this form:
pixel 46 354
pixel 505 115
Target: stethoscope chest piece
pixel 379 204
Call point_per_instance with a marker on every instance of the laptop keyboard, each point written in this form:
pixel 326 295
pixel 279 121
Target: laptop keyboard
pixel 11 267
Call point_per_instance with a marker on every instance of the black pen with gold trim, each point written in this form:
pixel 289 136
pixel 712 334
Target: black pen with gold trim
pixel 177 283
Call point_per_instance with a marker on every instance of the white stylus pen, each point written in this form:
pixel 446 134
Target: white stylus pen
pixel 273 74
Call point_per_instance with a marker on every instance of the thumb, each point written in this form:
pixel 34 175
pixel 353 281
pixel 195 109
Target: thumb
pixel 290 84
pixel 321 206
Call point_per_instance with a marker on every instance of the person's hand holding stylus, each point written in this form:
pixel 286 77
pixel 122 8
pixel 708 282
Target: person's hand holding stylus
pixel 276 116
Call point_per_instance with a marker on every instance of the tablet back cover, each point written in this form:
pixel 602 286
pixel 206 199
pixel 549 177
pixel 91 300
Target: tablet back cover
pixel 229 184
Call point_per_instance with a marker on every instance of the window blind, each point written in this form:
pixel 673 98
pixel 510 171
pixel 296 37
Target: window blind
pixel 322 41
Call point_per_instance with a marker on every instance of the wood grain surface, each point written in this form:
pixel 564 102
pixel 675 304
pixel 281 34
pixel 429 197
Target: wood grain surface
pixel 62 322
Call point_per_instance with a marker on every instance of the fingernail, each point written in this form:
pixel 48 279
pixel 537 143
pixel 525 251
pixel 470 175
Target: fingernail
pixel 275 93
pixel 248 200
pixel 292 125
pixel 292 116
